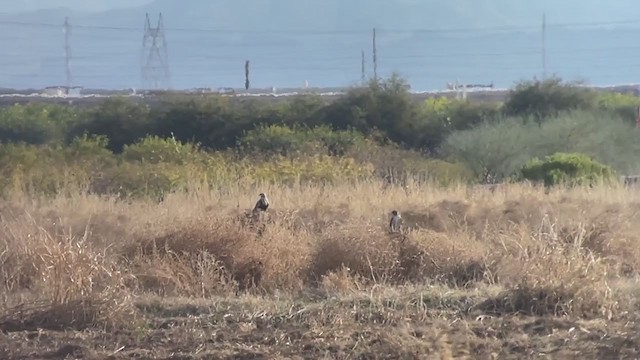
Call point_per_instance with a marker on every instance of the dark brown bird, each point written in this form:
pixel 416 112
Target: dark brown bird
pixel 262 204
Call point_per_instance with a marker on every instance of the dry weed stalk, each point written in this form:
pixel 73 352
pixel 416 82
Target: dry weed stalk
pixel 68 283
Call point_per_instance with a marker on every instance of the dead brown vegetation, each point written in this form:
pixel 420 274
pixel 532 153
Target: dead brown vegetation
pixel 81 263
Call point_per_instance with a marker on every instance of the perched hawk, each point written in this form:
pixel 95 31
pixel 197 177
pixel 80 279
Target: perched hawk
pixel 396 221
pixel 262 204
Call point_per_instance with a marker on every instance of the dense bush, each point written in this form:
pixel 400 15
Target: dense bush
pixel 217 123
pixel 624 105
pixel 542 99
pixel 396 164
pixel 35 123
pixel 154 150
pixel 300 110
pixel 122 145
pixel 288 141
pixel 567 169
pixel 121 120
pixel 383 105
pixel 439 117
pixel 601 135
pixel 501 148
pixel 214 122
pixel 154 167
pixel 495 150
pixel 384 111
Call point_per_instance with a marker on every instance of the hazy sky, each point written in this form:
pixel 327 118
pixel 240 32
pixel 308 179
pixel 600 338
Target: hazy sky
pixel 13 6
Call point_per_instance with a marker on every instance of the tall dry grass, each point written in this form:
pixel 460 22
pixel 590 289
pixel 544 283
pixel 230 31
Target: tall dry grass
pixel 80 261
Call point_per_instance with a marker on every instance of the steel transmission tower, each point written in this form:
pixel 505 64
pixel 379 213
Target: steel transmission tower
pixel 155 57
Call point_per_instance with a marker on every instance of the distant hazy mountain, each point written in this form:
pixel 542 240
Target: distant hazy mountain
pixel 336 14
pixel 356 14
pixel 289 41
pixel 13 6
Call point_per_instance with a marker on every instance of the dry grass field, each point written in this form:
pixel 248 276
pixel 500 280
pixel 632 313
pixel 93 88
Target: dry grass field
pixel 514 273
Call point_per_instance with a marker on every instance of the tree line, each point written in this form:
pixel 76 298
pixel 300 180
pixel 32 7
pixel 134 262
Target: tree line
pixel 378 126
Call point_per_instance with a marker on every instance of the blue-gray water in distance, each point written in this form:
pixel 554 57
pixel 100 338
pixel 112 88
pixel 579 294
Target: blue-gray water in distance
pixel 34 57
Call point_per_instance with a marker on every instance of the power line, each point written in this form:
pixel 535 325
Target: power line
pixel 331 63
pixel 338 32
pixel 349 58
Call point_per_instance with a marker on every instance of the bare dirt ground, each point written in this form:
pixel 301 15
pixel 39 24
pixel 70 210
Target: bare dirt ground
pixel 426 325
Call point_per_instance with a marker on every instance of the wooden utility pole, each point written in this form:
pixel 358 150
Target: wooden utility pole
pixel 246 75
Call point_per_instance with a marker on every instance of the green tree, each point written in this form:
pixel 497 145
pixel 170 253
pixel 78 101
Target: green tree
pixel 543 99
pixel 385 105
pixel 492 149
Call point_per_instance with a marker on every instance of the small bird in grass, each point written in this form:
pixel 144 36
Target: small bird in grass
pixel 262 204
pixel 395 224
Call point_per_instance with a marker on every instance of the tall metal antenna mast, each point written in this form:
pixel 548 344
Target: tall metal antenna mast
pixel 363 75
pixel 375 56
pixel 67 50
pixel 544 46
pixel 155 56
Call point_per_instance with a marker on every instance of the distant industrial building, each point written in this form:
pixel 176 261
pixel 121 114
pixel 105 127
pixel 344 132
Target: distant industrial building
pixel 63 91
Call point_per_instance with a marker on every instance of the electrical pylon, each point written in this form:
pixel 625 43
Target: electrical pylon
pixel 155 56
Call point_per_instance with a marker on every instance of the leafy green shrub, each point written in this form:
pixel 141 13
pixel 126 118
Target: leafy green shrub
pixel 601 135
pixel 288 141
pixel 567 169
pixel 140 180
pixel 439 117
pixel 38 170
pixel 390 160
pixel 385 105
pixel 496 149
pixel 316 168
pixel 277 140
pixel 503 147
pixel 154 150
pixel 35 123
pixel 337 143
pixel 209 121
pixel 624 105
pixel 121 120
pixel 301 110
pixel 89 152
pixel 542 99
